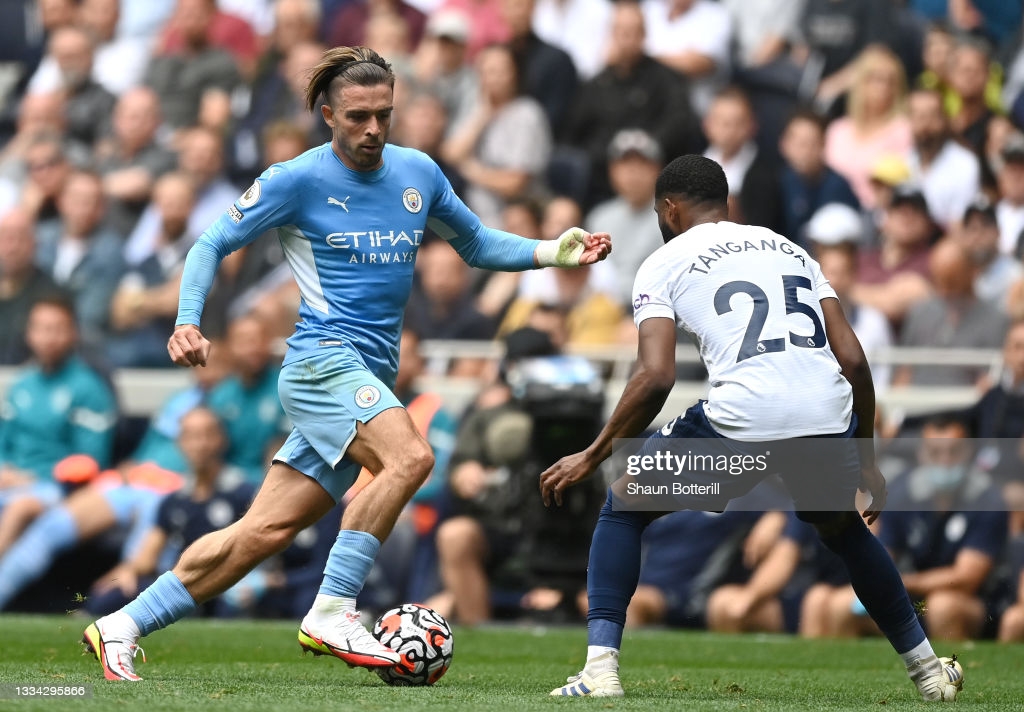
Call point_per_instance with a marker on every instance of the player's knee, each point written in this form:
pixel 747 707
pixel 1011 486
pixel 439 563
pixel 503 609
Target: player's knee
pixel 413 461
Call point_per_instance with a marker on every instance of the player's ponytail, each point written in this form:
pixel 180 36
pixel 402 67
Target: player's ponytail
pixel 352 65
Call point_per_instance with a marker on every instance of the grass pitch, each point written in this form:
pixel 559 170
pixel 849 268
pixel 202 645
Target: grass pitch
pixel 228 665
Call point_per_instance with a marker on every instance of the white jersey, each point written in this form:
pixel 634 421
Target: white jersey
pixel 751 298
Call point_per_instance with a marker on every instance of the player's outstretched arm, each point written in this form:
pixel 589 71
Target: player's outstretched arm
pixel 854 363
pixel 493 249
pixel 642 399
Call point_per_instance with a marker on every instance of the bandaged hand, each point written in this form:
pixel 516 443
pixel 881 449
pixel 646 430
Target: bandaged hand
pixel 573 248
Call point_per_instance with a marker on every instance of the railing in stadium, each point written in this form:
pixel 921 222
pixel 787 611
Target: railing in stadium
pixel 142 391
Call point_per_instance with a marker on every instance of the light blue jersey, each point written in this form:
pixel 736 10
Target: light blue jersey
pixel 351 239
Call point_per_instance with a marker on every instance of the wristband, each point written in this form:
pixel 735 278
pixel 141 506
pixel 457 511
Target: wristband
pixel 564 251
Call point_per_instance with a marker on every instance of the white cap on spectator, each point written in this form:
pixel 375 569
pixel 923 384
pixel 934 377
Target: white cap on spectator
pixel 835 223
pixel 449 24
pixel 634 141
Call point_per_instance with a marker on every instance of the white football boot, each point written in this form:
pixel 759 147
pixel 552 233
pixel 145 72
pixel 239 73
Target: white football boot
pixel 598 678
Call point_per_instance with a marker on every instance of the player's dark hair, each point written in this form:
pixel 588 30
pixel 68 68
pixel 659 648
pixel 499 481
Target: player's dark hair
pixel 696 179
pixel 359 66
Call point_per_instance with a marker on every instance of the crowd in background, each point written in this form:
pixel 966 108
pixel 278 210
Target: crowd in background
pixel 885 137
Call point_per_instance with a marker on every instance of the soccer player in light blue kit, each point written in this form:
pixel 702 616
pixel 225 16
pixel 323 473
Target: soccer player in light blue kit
pixel 351 215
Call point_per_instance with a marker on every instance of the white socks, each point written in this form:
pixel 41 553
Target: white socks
pixel 601 659
pixel 922 651
pixel 119 626
pixel 325 607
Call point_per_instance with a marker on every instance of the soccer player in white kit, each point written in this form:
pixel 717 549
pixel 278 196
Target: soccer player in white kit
pixel 783 364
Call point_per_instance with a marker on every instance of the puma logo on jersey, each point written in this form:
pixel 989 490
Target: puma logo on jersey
pixel 339 203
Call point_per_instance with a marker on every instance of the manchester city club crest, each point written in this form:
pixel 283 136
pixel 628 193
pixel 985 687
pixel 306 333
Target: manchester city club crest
pixel 412 200
pixel 366 396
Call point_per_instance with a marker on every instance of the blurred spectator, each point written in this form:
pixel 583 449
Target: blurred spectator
pixel 831 225
pixel 888 175
pixel 201 157
pixel 503 149
pixel 443 307
pixel 259 14
pixel 22 284
pixel 501 540
pixel 1010 208
pixel 996 19
pixel 441 70
pixel 894 276
pixel 39 115
pixel 215 496
pixel 46 160
pixel 875 124
pixel 218 28
pixel 763 31
pixel 634 162
pixel 587 297
pixel 88 104
pixel 281 96
pixel 687 554
pixel 145 304
pixel 969 79
pixel 1000 130
pixel 487 23
pixel 574 26
pixel 159 443
pixel 82 254
pixel 294 22
pixel 388 35
pixel 834 33
pixel 27 30
pixel 131 159
pixel 949 174
pixel 632 91
pixel 730 127
pixel 693 38
pixel 1011 624
pixel 806 184
pixel 407 570
pixel 422 125
pixel 145 20
pixel 119 61
pixel 998 419
pixel 839 266
pixel 945 526
pixel 192 70
pixel 247 401
pixel 953 318
pixel 772 553
pixel 56 406
pixel 935 56
pixel 546 72
pixel 520 217
pixel 348 25
pixel 995 272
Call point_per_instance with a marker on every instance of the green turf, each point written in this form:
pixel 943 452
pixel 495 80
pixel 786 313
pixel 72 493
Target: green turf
pixel 200 665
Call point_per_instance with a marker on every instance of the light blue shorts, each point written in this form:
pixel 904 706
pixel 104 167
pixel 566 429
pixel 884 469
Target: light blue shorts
pixel 325 396
pixel 135 509
pixel 47 492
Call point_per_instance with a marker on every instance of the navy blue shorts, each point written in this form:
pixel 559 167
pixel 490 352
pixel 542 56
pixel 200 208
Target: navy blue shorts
pixel 821 472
